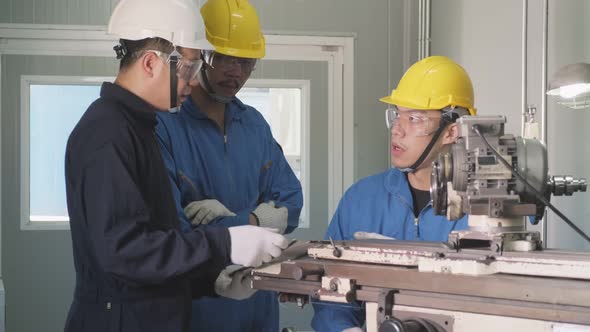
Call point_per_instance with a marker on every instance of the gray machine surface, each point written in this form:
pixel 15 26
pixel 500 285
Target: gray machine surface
pixel 494 276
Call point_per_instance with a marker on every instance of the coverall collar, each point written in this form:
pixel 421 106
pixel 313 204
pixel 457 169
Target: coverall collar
pixel 397 184
pixel 233 108
pixel 142 110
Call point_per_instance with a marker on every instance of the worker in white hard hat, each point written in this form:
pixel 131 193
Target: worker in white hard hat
pixel 135 269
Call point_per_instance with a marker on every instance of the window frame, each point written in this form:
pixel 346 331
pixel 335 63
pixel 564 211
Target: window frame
pixel 304 86
pixel 51 223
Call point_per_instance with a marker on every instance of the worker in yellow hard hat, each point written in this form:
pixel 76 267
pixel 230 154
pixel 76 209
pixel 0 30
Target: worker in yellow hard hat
pixel 234 30
pixel 226 168
pixel 396 204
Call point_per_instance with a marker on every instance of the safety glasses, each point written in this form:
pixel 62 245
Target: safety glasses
pixel 411 122
pixel 226 62
pixel 186 69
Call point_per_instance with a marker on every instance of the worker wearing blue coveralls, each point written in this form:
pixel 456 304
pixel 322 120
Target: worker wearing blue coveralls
pixel 429 98
pixel 224 164
pixel 135 270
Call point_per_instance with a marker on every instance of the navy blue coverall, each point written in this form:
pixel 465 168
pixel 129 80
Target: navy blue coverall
pixel 135 269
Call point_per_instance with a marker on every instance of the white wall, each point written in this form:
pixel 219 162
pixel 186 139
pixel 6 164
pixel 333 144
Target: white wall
pixel 468 31
pixel 569 151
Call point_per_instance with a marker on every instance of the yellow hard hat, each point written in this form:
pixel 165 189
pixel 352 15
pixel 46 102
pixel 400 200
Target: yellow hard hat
pixel 233 28
pixel 434 83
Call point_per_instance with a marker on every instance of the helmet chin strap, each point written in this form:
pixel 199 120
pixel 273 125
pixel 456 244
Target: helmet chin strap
pixel 447 118
pixel 173 84
pixel 204 81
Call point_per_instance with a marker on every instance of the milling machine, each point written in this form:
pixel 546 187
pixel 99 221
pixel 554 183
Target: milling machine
pixel 494 276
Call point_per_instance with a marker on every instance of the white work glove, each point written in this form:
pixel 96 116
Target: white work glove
pixel 203 212
pixel 235 282
pixel 253 245
pixel 371 236
pixel 353 329
pixel 270 216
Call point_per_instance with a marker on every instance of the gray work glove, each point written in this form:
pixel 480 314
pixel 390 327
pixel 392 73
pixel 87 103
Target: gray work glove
pixel 235 282
pixel 205 211
pixel 371 236
pixel 272 217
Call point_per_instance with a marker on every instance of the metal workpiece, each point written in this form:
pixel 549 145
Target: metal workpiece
pixel 409 257
pixel 309 272
pixel 445 258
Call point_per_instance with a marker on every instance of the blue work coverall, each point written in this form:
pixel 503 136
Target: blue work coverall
pixel 382 204
pixel 240 169
pixel 134 266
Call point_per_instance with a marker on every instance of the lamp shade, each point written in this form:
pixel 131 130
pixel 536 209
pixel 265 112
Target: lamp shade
pixel 572 84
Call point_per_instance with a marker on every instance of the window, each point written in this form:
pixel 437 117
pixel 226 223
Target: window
pixel 51 107
pixel 284 104
pixel 281 108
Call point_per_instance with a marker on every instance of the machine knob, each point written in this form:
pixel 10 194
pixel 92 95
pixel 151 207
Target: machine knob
pixel 391 325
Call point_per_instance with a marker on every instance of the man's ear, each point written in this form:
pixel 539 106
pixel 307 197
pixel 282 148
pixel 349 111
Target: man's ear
pixel 149 63
pixel 451 134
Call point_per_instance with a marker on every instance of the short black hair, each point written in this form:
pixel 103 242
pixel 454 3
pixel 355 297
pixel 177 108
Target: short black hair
pixel 131 50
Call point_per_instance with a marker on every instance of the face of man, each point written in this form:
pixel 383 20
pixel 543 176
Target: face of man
pixel 411 132
pixel 228 74
pixel 186 72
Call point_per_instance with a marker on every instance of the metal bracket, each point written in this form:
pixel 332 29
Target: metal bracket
pixel 385 304
pixel 300 300
pixel 334 289
pixel 496 243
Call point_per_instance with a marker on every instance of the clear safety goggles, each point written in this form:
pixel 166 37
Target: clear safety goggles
pixel 412 123
pixel 227 62
pixel 186 69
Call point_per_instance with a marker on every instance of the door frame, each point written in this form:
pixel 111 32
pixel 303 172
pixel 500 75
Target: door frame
pixel 336 51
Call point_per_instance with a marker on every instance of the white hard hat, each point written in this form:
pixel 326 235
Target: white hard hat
pixel 177 21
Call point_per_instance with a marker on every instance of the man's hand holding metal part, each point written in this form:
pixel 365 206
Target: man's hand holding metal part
pixel 253 246
pixel 235 282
